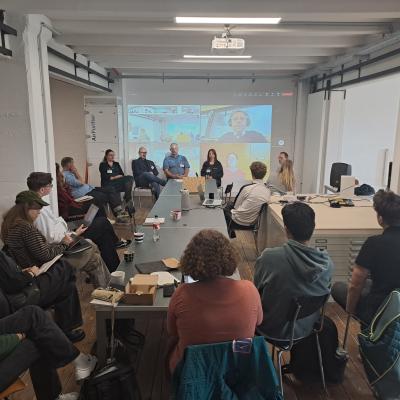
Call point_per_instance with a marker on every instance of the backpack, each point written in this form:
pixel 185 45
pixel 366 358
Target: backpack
pixel 114 382
pixel 380 349
pixel 304 356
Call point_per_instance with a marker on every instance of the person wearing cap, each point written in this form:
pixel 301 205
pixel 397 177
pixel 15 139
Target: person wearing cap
pixel 26 245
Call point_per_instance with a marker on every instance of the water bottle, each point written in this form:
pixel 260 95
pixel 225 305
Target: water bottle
pixel 156 229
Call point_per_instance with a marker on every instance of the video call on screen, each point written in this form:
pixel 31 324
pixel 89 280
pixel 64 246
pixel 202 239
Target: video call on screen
pixel 239 134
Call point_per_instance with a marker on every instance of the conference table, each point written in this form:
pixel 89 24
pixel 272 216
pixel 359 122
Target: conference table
pixel 174 237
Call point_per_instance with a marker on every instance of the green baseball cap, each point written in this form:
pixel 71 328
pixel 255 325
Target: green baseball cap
pixel 29 197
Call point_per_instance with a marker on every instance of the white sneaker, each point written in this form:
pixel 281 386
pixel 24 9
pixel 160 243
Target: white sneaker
pixel 68 396
pixel 84 370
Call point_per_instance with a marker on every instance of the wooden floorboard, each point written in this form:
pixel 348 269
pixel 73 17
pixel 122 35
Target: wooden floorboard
pixel 150 362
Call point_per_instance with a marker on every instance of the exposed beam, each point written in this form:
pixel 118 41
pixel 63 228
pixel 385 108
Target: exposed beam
pixel 154 28
pixel 255 51
pixel 182 40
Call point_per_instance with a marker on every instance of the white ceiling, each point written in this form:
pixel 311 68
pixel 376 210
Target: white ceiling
pixel 138 36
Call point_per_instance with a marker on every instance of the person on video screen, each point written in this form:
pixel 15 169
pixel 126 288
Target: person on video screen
pixel 232 172
pixel 239 121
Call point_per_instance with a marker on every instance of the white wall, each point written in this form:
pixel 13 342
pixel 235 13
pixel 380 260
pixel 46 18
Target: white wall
pixel 369 128
pixel 16 153
pixel 69 122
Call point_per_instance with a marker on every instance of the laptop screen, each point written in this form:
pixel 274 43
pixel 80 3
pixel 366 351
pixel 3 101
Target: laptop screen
pixel 90 215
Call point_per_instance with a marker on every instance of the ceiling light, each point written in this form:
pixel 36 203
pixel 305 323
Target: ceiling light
pixel 226 20
pixel 215 56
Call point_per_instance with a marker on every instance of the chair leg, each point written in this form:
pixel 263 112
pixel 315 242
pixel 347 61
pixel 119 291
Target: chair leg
pixel 280 370
pixel 321 366
pixel 256 242
pixel 140 201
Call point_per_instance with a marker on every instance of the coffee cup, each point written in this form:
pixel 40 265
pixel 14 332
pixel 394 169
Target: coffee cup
pixel 128 256
pixel 118 278
pixel 176 215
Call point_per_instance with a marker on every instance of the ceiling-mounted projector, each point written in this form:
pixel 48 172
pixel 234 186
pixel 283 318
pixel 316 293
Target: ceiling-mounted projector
pixel 226 42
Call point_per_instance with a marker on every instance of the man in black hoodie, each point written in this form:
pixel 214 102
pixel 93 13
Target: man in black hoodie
pixel 290 271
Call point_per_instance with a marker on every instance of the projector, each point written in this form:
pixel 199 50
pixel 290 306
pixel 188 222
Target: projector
pixel 227 43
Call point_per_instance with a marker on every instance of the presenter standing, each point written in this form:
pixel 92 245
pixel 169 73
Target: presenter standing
pixel 212 168
pixel 175 166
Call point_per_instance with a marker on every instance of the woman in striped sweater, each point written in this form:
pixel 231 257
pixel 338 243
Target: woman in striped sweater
pixel 25 243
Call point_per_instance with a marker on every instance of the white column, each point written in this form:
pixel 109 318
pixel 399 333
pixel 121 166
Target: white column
pixel 36 36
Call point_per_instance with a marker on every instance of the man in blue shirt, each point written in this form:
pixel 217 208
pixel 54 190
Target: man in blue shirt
pixel 175 166
pixel 101 196
pixel 145 173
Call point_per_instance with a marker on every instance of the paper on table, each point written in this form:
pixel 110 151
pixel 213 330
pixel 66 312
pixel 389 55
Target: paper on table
pixel 171 263
pixel 165 278
pixel 150 221
pixel 45 267
pixel 83 198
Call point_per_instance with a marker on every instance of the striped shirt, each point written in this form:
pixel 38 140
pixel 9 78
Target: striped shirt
pixel 29 247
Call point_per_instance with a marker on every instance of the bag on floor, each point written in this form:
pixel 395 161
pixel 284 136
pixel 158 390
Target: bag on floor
pixel 380 349
pixel 304 356
pixel 113 382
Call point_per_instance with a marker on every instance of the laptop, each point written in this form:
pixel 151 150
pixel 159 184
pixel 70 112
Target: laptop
pixel 87 219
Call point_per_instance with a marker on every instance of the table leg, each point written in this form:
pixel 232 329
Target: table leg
pixel 101 334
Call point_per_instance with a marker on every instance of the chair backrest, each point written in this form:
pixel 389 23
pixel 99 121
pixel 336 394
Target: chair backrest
pixel 304 306
pixel 337 170
pixel 260 214
pixel 210 369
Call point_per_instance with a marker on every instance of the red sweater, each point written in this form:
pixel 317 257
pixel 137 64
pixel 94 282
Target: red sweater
pixel 212 311
pixel 65 201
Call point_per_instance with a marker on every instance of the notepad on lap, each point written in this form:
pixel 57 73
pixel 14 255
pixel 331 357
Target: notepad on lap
pixel 46 266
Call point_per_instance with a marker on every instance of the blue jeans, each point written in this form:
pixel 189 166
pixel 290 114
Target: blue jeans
pixel 149 179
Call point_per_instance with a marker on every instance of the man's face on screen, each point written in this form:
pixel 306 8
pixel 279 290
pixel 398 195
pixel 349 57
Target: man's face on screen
pixel 238 122
pixel 174 150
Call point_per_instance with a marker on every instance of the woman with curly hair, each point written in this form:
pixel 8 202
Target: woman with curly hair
pixel 215 308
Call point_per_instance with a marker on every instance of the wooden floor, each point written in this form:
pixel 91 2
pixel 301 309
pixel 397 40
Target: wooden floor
pixel 150 361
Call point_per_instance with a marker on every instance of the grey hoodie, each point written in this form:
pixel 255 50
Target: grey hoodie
pixel 284 273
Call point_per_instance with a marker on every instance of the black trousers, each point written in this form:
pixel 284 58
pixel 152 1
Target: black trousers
pixel 58 289
pixel 364 311
pixel 102 196
pixel 102 233
pixel 44 350
pixel 123 184
pixel 231 224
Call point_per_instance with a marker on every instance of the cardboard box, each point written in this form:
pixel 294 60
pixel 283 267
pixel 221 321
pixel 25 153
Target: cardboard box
pixel 141 290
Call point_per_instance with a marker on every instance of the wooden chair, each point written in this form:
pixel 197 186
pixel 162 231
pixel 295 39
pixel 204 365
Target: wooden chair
pixel 17 386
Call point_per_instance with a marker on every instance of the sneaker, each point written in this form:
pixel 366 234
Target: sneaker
pixel 123 243
pixel 68 396
pixel 84 371
pixel 76 335
pixel 123 218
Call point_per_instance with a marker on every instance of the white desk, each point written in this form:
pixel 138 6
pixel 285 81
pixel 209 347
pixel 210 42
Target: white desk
pixel 341 231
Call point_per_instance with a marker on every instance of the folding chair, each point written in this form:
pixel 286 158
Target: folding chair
pixel 301 307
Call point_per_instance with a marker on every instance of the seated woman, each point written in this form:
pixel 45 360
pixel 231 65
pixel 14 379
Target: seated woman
pixel 378 258
pixel 284 180
pixel 215 308
pixel 29 247
pixel 30 339
pixel 113 175
pixel 212 168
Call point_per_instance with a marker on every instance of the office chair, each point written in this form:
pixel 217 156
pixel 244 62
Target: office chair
pixel 300 308
pixel 337 171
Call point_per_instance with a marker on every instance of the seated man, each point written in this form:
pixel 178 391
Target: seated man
pixel 145 173
pixel 379 257
pixel 175 166
pixel 101 195
pixel 290 271
pixel 55 228
pixel 244 211
pixel 30 339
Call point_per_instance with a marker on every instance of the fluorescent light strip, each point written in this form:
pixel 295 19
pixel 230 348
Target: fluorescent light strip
pixel 216 57
pixel 226 20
